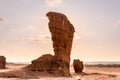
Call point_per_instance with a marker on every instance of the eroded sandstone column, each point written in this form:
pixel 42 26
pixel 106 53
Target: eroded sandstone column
pixel 62 32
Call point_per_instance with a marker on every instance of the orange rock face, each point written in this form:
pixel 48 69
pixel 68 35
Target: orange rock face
pixel 2 62
pixel 43 63
pixel 62 32
pixel 78 66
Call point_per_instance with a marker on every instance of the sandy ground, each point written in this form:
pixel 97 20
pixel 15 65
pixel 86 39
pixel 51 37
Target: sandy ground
pixel 98 73
pixel 17 72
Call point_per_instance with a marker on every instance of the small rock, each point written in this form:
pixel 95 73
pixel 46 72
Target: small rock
pixel 78 65
pixel 2 62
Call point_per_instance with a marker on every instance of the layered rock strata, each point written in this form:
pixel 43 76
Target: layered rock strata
pixel 43 63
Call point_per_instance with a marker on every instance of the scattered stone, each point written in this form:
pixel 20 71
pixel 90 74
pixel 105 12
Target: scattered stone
pixel 78 65
pixel 2 62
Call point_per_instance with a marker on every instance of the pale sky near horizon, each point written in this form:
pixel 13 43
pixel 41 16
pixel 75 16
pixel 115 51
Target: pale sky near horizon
pixel 24 33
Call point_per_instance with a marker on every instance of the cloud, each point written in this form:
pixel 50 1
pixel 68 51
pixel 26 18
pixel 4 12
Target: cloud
pixel 39 38
pixel 53 3
pixel 44 38
pixel 117 23
pixel 2 20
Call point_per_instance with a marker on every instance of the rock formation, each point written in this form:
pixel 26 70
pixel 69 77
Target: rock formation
pixel 43 63
pixel 2 62
pixel 78 66
pixel 62 32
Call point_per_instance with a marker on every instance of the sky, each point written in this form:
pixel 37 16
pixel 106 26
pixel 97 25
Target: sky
pixel 24 33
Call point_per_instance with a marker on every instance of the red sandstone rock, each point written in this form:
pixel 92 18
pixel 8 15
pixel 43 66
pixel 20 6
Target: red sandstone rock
pixel 62 32
pixel 2 62
pixel 43 63
pixel 78 66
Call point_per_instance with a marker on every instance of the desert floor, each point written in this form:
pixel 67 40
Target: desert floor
pixel 17 72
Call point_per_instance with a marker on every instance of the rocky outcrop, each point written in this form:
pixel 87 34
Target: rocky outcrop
pixel 62 32
pixel 43 63
pixel 2 62
pixel 78 66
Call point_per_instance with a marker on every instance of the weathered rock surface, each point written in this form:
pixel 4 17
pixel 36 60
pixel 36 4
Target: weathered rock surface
pixel 62 32
pixel 2 62
pixel 43 63
pixel 78 66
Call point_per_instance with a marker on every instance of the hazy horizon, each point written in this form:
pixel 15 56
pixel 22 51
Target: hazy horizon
pixel 24 33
